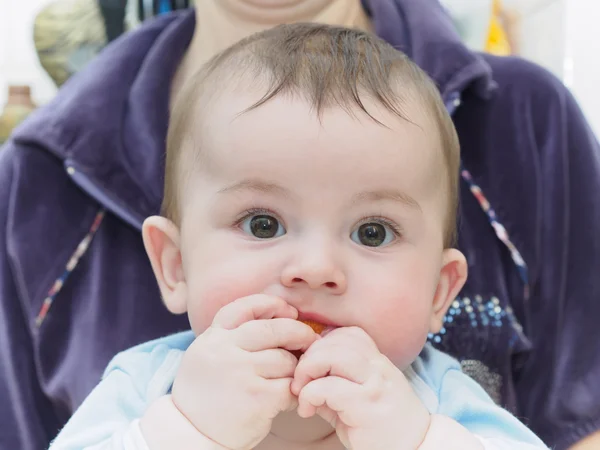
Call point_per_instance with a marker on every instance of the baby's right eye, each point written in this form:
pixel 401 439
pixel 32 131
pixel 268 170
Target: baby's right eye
pixel 262 226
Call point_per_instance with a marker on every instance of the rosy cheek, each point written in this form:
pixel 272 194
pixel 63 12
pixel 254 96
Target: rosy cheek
pixel 215 289
pixel 202 313
pixel 400 324
pixel 403 348
pixel 206 301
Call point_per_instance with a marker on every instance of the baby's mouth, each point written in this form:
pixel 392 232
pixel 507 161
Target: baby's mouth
pixel 317 327
pixel 320 324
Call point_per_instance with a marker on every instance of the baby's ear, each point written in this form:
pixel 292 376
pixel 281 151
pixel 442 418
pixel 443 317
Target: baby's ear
pixel 452 278
pixel 161 239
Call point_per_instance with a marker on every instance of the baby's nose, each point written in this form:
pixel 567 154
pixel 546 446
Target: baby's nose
pixel 315 273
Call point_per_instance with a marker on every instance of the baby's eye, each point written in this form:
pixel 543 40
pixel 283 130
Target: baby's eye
pixel 262 226
pixel 373 234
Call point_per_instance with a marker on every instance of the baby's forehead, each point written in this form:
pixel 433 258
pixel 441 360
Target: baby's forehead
pixel 286 132
pixel 240 103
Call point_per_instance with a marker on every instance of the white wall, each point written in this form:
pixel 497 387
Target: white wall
pixel 581 63
pixel 543 32
pixel 564 36
pixel 18 60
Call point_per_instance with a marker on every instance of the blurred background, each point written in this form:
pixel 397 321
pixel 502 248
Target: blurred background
pixel 42 42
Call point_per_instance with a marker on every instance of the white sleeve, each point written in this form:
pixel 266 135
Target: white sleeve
pixel 444 389
pixel 108 419
pixel 464 400
pixel 130 438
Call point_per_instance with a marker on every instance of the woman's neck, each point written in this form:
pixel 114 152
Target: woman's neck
pixel 221 23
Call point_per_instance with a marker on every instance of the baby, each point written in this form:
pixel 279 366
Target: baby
pixel 311 176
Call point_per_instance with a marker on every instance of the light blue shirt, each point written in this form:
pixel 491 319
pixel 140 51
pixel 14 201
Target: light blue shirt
pixel 109 417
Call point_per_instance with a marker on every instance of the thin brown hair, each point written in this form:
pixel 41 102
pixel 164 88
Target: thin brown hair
pixel 326 65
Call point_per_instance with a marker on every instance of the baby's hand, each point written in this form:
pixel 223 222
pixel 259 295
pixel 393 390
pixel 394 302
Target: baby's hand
pixel 346 380
pixel 235 378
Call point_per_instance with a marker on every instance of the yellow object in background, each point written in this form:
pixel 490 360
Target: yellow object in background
pixel 67 35
pixel 497 41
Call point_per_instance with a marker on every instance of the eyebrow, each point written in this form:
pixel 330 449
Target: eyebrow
pixel 265 187
pixel 387 194
pixel 260 186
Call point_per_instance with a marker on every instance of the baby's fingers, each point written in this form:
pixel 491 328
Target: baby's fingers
pixel 274 363
pixel 323 360
pixel 259 335
pixel 279 397
pixel 250 308
pixel 336 394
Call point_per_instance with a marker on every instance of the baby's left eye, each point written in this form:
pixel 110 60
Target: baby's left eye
pixel 373 234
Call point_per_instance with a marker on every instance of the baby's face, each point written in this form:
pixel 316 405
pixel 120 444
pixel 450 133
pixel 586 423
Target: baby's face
pixel 343 218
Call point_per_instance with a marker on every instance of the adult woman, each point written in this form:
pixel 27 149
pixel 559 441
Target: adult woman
pixel 79 177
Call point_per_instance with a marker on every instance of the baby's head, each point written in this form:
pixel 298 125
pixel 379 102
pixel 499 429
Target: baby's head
pixel 317 164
